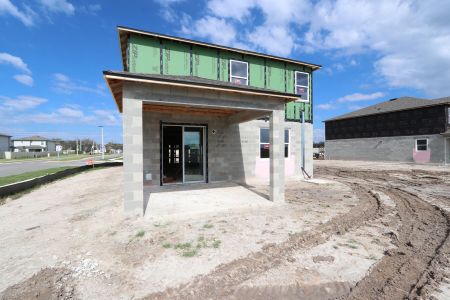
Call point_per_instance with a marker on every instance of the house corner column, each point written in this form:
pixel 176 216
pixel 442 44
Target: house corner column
pixel 133 167
pixel 277 155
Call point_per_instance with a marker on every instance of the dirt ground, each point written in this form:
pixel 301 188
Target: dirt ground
pixel 358 231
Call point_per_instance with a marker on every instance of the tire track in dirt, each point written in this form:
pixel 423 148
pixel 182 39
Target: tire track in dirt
pixel 413 270
pixel 225 279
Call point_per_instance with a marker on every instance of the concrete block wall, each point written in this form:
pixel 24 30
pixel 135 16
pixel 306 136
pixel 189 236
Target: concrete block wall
pixel 133 176
pixel 223 153
pixel 249 132
pixel 233 149
pixel 399 148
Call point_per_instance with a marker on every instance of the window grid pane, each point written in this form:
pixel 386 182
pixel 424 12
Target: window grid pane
pixel 239 69
pixel 302 79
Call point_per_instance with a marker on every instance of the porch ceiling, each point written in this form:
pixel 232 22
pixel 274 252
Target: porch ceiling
pixel 191 110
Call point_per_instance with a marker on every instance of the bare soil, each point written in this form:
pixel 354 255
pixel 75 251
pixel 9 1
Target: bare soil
pixel 364 231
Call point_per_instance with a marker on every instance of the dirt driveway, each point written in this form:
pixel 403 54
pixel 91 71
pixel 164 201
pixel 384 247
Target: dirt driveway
pixel 355 233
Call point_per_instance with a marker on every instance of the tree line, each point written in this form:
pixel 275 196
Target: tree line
pixel 87 145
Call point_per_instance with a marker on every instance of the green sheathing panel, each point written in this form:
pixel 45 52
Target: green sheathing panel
pixel 176 58
pixel 275 75
pixel 204 62
pixel 144 55
pixel 224 59
pixel 256 72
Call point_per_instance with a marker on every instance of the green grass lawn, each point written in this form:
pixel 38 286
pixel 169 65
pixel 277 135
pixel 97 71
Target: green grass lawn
pixel 29 175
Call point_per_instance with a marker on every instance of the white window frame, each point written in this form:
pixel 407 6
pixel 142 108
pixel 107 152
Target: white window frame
pixel 289 143
pixel 417 150
pixel 305 86
pixel 234 76
pixel 448 115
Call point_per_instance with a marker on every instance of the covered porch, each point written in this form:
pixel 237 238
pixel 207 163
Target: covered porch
pixel 214 110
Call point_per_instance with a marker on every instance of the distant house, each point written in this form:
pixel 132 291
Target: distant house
pixel 5 142
pixel 402 129
pixel 34 144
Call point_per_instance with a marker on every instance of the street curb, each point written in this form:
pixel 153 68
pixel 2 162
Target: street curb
pixel 14 188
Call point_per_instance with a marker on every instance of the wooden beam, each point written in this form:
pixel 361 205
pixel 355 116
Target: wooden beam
pixel 189 110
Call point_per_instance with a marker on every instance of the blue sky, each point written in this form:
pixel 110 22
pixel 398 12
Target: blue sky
pixel 52 53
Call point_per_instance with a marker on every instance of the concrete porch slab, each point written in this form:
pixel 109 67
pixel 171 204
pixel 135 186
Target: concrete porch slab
pixel 184 201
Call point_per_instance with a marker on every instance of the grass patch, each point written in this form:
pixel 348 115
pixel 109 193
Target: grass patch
pixel 190 253
pixel 140 233
pixel 183 246
pixel 216 243
pixel 208 226
pixel 167 245
pixel 29 175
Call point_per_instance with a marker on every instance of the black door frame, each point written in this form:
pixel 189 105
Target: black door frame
pixel 161 124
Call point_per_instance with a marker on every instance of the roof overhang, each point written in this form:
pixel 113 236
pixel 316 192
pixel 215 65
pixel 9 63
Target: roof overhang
pixel 339 118
pixel 115 82
pixel 125 31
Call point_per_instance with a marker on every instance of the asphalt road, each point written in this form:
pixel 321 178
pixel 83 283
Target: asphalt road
pixel 13 168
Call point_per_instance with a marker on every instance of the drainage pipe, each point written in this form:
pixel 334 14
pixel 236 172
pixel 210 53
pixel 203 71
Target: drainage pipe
pixel 303 142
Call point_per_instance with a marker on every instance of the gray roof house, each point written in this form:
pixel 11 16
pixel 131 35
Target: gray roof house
pixel 34 143
pixel 402 129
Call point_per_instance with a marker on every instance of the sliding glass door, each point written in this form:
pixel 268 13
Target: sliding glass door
pixel 183 154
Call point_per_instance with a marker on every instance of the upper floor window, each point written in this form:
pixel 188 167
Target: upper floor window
pixel 239 72
pixel 302 86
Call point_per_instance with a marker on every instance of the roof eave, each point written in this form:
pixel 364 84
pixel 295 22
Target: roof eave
pixel 109 75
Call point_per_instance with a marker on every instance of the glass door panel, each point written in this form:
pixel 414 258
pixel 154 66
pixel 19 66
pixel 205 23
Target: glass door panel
pixel 172 154
pixel 194 156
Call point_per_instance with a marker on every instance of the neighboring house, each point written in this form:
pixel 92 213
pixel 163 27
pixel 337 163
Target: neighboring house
pixel 34 144
pixel 5 142
pixel 403 129
pixel 199 112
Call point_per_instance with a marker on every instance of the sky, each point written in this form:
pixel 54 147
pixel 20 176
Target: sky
pixel 53 52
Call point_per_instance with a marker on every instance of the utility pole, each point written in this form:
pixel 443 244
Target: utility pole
pixel 103 146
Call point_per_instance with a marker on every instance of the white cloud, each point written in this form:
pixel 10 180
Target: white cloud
pixel 15 61
pixel 24 79
pixel 356 97
pixel 274 39
pixel 410 39
pixel 72 114
pixel 21 103
pixel 66 85
pixel 326 106
pixel 214 29
pixel 26 17
pixel 91 9
pixel 58 6
pixel 168 12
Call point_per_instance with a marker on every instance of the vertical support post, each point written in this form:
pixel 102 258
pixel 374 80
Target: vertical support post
pixel 133 167
pixel 302 136
pixel 276 124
